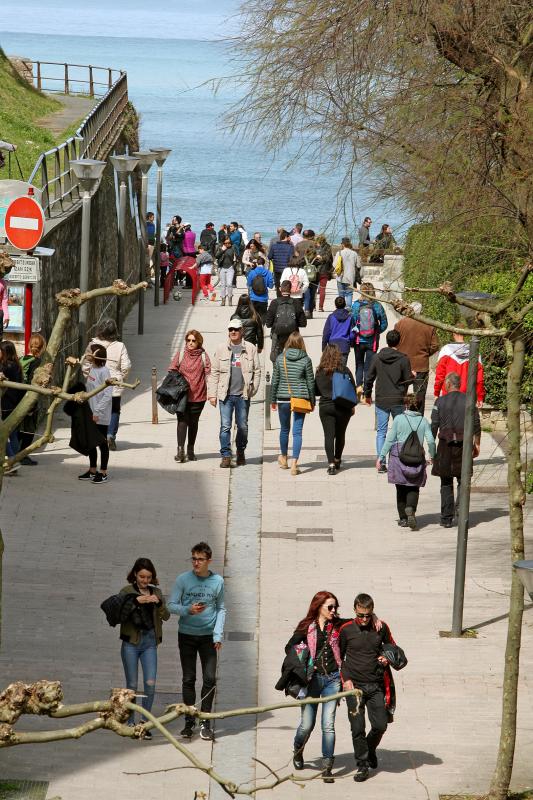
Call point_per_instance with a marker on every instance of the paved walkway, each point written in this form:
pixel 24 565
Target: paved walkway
pixel 74 109
pixel 69 545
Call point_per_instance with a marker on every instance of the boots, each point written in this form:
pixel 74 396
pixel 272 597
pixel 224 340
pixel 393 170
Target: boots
pixel 223 301
pixel 190 454
pixel 180 456
pixel 294 467
pixel 298 758
pixel 327 766
pixel 282 461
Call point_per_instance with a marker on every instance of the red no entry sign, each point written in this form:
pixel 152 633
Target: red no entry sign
pixel 24 223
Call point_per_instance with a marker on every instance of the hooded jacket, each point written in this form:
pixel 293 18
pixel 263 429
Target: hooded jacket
pixel 252 330
pixel 391 371
pixel 300 376
pixel 338 330
pixel 454 358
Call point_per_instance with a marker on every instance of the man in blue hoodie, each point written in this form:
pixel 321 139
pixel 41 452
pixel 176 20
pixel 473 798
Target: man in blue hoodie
pixel 198 598
pixel 338 329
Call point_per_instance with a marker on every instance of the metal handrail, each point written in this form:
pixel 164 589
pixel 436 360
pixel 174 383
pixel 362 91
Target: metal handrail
pixel 69 81
pixel 93 139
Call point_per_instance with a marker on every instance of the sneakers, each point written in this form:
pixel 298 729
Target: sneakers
pixel 382 468
pixel 12 470
pixel 213 297
pixel 111 443
pixel 87 476
pixel 298 759
pixel 147 735
pixel 188 730
pixel 361 774
pixel 359 391
pixel 411 519
pixel 446 523
pixel 402 523
pixel 28 462
pixel 332 469
pixel 99 478
pixel 241 458
pixel 205 731
pixel 225 462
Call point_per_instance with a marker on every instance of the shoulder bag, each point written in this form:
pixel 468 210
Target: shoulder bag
pixel 300 404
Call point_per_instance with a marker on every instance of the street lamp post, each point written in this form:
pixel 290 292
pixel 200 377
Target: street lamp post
pixel 161 155
pixel 124 166
pixel 88 171
pixel 146 159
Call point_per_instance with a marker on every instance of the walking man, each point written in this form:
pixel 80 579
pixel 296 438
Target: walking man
pixel 338 329
pixel 198 598
pixel 448 419
pixel 418 341
pixel 364 233
pixel 364 668
pixel 391 371
pixel 350 275
pixel 234 380
pixel 284 316
pixel 280 253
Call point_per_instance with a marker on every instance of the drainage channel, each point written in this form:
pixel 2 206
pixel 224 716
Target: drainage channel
pixel 235 742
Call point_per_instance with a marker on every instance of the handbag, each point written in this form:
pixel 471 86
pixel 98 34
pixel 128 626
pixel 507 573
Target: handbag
pixel 300 404
pixel 343 393
pixel 337 265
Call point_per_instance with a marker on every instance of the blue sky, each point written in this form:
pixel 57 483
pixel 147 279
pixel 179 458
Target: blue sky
pixel 169 19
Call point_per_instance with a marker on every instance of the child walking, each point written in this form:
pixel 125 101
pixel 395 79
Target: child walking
pixel 204 262
pixel 100 405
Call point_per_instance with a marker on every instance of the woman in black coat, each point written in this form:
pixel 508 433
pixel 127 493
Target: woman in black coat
pixel 252 327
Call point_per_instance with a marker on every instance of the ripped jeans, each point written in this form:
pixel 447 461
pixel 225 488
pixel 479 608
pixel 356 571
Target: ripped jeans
pixel 146 653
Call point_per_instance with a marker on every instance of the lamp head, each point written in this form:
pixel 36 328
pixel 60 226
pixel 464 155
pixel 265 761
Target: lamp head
pixel 161 154
pixel 88 171
pixel 124 165
pixel 146 159
pixel 524 570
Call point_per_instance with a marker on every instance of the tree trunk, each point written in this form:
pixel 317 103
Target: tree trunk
pixel 501 777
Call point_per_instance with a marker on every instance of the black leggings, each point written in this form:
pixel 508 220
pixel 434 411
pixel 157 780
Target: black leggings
pixel 334 422
pixel 104 451
pixel 188 421
pixel 406 496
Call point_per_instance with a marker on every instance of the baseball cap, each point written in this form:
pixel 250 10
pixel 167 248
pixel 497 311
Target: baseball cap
pixel 235 323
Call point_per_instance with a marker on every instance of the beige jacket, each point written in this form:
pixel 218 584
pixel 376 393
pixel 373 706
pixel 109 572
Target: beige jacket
pixel 218 383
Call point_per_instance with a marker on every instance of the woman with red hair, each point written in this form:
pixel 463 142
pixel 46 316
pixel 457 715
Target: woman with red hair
pixel 319 631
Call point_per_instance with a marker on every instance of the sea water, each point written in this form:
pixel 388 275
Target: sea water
pixel 211 175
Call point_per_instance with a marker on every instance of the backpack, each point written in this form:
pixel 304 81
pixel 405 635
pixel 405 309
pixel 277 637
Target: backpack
pixel 412 452
pixel 285 322
pixel 259 286
pixel 366 321
pixel 310 270
pixel 295 281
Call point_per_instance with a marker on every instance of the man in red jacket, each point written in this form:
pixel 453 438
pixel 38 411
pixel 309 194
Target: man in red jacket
pixel 453 357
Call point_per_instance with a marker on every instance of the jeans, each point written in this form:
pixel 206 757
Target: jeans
pixel 320 686
pixel 382 419
pixel 448 505
pixel 406 497
pixel 343 290
pixel 190 647
pixel 188 422
pixel 373 700
pixel 146 653
pixel 334 422
pixel 237 403
pixel 115 417
pixel 309 297
pixel 226 282
pixel 104 452
pixel 284 411
pixel 364 353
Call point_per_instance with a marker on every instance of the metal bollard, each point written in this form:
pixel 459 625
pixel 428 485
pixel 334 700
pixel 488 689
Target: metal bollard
pixel 155 418
pixel 268 400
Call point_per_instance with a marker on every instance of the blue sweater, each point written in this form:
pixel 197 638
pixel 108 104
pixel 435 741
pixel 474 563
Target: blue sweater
pixel 189 589
pixel 269 283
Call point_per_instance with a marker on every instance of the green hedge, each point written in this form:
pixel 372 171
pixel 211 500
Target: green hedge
pixel 477 259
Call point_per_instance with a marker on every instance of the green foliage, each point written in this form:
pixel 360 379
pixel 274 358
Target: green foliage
pixel 475 258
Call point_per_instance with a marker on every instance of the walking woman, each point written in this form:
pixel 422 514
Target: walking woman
pixel 226 258
pixel 195 366
pixel 406 477
pixel 29 363
pixel 292 377
pixel 10 367
pixel 334 417
pixel 319 631
pixel 252 327
pixel 324 259
pixel 143 614
pixel 118 364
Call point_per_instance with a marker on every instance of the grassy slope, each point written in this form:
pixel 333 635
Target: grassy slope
pixel 20 106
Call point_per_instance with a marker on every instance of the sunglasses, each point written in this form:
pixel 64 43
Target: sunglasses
pixel 331 608
pixel 363 616
pixel 191 340
pixel 233 330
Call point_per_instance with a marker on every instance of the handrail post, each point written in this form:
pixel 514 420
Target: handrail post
pixel 39 79
pixel 91 81
pixel 109 78
pixel 66 79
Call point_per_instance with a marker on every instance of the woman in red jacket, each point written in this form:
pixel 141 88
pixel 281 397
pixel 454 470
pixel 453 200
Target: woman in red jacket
pixel 195 366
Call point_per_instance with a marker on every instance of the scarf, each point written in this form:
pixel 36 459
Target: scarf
pixel 191 367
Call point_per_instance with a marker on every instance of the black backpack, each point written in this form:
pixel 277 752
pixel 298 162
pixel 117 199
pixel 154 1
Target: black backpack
pixel 258 285
pixel 285 322
pixel 412 452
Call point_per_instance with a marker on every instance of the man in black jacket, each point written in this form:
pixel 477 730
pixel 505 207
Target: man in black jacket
pixel 391 370
pixel 208 238
pixel 284 316
pixel 448 419
pixel 363 667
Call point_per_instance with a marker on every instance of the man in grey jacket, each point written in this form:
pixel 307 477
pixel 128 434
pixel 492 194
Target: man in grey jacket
pixel 234 379
pixel 351 271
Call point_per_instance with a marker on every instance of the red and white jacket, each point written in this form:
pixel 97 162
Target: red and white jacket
pixel 453 357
